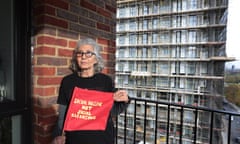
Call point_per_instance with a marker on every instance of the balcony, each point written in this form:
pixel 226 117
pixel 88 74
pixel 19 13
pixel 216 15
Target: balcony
pixel 155 122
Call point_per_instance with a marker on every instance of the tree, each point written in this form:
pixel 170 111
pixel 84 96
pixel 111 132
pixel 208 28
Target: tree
pixel 232 93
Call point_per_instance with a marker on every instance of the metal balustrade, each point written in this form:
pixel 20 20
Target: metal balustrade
pixel 155 122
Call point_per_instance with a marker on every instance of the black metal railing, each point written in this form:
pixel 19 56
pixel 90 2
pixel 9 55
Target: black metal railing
pixel 154 122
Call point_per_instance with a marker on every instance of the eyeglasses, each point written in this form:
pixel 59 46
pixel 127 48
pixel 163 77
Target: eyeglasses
pixel 87 54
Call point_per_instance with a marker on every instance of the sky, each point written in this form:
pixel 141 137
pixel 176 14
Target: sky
pixel 233 32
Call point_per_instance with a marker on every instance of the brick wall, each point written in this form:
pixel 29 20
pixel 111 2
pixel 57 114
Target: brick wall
pixel 57 25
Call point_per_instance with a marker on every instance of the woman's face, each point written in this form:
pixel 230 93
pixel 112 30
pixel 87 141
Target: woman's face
pixel 86 57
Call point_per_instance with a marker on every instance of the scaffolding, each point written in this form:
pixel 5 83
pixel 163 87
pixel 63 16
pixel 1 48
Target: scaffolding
pixel 172 50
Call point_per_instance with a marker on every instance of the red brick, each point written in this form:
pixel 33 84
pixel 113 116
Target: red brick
pixel 63 71
pixel 45 50
pixel 46 101
pixel 109 50
pixel 49 111
pixel 46 30
pixel 44 71
pixel 49 80
pixel 44 129
pixel 67 34
pixel 53 61
pixel 103 41
pixel 58 3
pixel 104 12
pixel 111 8
pixel 47 91
pixel 46 120
pixel 44 19
pixel 61 42
pixel 103 27
pixel 46 40
pixel 106 56
pixel 113 43
pixel 72 44
pixel 88 5
pixel 65 52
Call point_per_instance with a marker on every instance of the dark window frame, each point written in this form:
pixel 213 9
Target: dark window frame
pixel 22 104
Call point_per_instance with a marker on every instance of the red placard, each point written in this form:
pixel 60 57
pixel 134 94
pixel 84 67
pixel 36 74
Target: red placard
pixel 88 110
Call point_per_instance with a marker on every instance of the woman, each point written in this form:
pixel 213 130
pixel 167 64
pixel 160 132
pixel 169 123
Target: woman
pixel 87 65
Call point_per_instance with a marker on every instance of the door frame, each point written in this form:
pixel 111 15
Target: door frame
pixel 22 75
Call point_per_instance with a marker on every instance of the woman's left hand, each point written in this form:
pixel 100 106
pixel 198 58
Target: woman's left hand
pixel 121 96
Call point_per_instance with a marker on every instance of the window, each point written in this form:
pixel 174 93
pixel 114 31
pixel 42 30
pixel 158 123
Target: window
pixel 154 52
pixel 15 72
pixel 172 82
pixel 173 68
pixel 181 83
pixel 121 40
pixel 132 52
pixel 132 66
pixel 145 10
pixel 184 36
pixel 178 36
pixel 121 12
pixel 121 27
pixel 164 52
pixel 182 52
pixel 145 38
pixel 154 66
pixel 182 67
pixel 121 52
pixel 162 82
pixel 155 38
pixel 132 25
pixel 190 84
pixel 164 37
pixel 191 52
pixel 164 68
pixel 155 23
pixel 144 66
pixel 164 22
pixel 192 36
pixel 155 8
pixel 133 11
pixel 126 67
pixel 184 5
pixel 132 39
pixel 145 24
pixel 144 52
pixel 192 4
pixel 192 20
pixel 191 68
pixel 120 66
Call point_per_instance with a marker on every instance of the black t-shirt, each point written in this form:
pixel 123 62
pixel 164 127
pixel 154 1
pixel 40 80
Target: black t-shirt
pixel 100 82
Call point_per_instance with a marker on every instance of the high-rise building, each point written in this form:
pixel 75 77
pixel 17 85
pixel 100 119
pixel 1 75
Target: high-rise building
pixel 174 51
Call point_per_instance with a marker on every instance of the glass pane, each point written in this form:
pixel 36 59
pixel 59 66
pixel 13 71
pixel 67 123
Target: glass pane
pixel 6 48
pixel 10 130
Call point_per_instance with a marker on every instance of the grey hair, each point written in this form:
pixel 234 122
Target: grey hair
pixel 98 67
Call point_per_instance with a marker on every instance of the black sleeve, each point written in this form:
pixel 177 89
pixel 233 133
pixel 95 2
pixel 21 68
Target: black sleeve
pixel 58 129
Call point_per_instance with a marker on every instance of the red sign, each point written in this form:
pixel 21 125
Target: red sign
pixel 88 110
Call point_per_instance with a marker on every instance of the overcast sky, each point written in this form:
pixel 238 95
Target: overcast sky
pixel 233 29
pixel 233 34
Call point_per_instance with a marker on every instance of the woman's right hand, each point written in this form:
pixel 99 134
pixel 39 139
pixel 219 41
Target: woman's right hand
pixel 59 140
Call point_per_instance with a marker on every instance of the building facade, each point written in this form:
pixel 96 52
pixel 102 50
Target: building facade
pixel 172 51
pixel 37 40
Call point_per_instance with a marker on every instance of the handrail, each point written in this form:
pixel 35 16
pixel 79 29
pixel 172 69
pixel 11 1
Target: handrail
pixel 215 115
